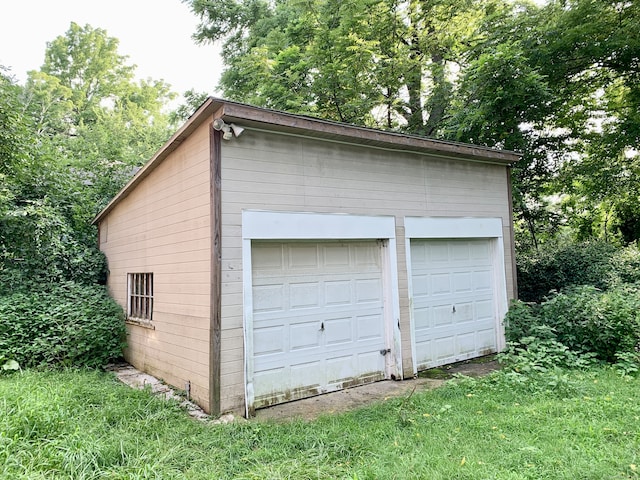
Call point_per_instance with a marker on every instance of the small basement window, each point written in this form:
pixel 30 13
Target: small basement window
pixel 140 297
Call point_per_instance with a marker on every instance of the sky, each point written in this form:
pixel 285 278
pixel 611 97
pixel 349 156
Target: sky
pixel 154 34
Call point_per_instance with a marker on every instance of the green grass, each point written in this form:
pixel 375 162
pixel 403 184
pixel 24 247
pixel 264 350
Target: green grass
pixel 85 425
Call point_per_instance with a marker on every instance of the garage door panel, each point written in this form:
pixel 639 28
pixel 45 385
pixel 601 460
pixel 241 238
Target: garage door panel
pixel 307 374
pixel 480 251
pixel 368 290
pixel 268 257
pixel 302 257
pixel 466 343
pixel 463 282
pixel 459 252
pixel 339 368
pixel 268 298
pixel 369 327
pixel 463 312
pixel 440 283
pixel 444 347
pixel 371 363
pixel 327 317
pixel 287 359
pixel 270 376
pixel 484 310
pixel 304 335
pixel 338 292
pixel 486 340
pixel 482 280
pixel 269 340
pixel 442 315
pixel 420 285
pixel 422 318
pixel 304 295
pixel 457 303
pixel 437 252
pixel 367 256
pixel 335 255
pixel 338 331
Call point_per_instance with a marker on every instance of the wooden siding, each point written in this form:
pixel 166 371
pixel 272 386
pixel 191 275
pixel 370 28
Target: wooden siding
pixel 163 227
pixel 284 173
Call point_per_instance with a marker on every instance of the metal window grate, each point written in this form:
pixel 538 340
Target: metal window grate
pixel 140 300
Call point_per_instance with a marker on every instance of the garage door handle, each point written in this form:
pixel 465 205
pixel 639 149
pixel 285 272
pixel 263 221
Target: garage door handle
pixel 384 351
pixel 322 327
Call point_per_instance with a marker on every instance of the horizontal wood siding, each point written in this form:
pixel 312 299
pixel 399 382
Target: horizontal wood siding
pixel 163 227
pixel 284 173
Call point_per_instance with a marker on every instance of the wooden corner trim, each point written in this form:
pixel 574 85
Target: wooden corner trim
pixel 215 170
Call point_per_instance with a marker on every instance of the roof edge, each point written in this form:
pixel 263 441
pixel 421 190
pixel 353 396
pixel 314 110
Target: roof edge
pixel 355 133
pixel 226 109
pixel 205 110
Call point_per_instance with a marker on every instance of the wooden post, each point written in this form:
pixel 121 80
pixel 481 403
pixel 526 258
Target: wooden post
pixel 215 156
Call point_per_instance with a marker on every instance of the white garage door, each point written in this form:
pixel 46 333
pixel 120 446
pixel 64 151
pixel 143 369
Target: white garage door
pixel 454 315
pixel 318 320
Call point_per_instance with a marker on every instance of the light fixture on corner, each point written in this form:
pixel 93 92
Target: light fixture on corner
pixel 228 130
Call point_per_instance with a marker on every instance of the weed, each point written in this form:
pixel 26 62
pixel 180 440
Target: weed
pixel 85 425
pixel 584 319
pixel 627 363
pixel 61 325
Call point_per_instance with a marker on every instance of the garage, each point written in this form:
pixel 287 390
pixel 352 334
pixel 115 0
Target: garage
pixel 318 317
pixel 279 246
pixel 455 277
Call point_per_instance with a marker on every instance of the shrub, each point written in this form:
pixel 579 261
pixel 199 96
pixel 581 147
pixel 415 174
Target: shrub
pixel 520 320
pixel 625 266
pixel 584 319
pixel 557 267
pixel 589 320
pixel 66 324
pixel 542 353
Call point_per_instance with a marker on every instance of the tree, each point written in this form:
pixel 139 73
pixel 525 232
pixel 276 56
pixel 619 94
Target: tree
pixel 86 61
pixel 558 82
pixel 71 137
pixel 595 64
pixel 37 207
pixel 504 101
pixel 385 63
pixel 85 100
pixel 192 101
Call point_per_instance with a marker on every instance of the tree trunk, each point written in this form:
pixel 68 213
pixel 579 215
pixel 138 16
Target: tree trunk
pixel 415 120
pixel 440 95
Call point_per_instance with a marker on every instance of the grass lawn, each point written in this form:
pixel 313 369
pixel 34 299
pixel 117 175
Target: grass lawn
pixel 85 425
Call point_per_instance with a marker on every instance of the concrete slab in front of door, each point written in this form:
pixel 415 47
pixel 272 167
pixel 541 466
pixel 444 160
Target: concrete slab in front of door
pixel 355 397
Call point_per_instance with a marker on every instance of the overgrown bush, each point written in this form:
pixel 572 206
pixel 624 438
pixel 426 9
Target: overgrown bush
pixel 554 268
pixel 38 244
pixel 542 353
pixel 625 266
pixel 66 324
pixel 584 319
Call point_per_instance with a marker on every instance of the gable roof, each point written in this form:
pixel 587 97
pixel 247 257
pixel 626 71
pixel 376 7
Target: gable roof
pixel 255 118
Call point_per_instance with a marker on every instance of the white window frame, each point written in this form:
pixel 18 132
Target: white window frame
pixel 140 297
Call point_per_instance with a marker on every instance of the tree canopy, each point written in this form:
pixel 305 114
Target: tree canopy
pixel 557 82
pixel 69 139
